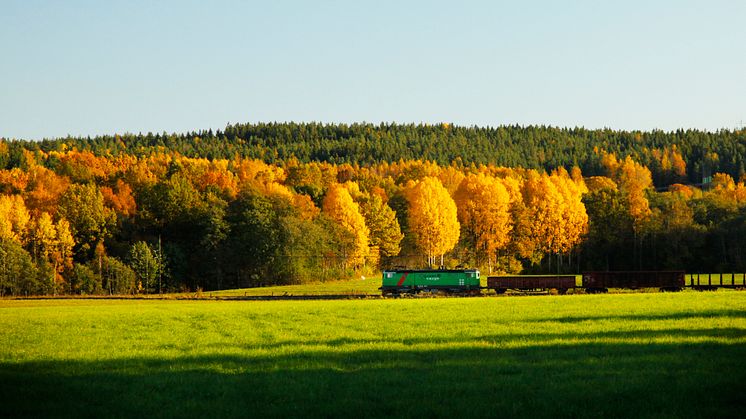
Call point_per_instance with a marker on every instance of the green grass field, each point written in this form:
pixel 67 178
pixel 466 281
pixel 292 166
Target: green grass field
pixel 368 285
pixel 624 355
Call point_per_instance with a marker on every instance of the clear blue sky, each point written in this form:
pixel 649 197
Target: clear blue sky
pixel 98 67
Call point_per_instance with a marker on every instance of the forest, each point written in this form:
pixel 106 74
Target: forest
pixel 532 147
pixel 265 204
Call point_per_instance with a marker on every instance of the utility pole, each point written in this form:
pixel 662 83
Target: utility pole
pixel 160 265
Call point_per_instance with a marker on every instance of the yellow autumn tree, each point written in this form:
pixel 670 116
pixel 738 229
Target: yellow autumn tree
pixel 633 179
pixel 340 207
pixel 483 205
pixel 727 189
pixel 554 218
pixel 671 165
pixel 14 218
pixel 521 242
pixel 433 219
pixel 63 253
pixel 596 183
pixel 43 236
pixel 684 190
pixel 451 177
pixel 573 218
pixel 577 176
pixel 542 214
pixel 52 243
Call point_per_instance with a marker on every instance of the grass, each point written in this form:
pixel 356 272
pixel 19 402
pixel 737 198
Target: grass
pixel 623 355
pixel 364 285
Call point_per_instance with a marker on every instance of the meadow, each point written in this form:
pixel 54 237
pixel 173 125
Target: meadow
pixel 360 285
pixel 621 355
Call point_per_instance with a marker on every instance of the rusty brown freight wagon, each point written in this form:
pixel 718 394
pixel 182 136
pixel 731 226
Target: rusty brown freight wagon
pixel 594 282
pixel 502 283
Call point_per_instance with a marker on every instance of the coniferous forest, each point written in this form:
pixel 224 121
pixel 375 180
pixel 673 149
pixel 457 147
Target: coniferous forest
pixel 261 204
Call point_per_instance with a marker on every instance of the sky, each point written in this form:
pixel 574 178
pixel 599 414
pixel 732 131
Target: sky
pixel 103 67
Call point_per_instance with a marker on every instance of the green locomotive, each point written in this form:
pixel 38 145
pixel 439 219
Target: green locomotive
pixel 412 281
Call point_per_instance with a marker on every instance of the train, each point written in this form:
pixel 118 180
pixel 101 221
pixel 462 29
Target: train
pixel 415 281
pixel 467 281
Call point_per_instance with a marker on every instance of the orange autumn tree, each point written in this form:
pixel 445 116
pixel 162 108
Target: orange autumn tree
pixel 120 199
pixel 83 166
pixel 204 173
pixel 44 189
pixel 340 207
pixel 483 205
pixel 13 181
pixel 433 219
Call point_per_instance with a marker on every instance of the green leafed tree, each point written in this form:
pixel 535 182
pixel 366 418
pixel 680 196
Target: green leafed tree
pixel 83 280
pixel 18 274
pixel 90 221
pixel 116 276
pixel 385 232
pixel 147 264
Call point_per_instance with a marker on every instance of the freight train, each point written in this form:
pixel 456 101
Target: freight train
pixel 466 281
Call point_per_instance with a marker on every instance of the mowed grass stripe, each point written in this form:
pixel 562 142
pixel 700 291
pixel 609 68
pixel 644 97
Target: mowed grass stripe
pixel 629 355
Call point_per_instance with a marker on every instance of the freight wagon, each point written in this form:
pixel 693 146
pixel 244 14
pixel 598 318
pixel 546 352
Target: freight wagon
pixel 595 282
pixel 502 283
pixel 413 281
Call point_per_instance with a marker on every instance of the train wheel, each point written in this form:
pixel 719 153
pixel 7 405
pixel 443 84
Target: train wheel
pixel 562 291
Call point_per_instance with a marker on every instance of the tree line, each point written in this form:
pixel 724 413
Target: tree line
pixel 155 220
pixel 681 156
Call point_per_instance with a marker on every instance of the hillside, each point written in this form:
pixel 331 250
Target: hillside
pixel 534 147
